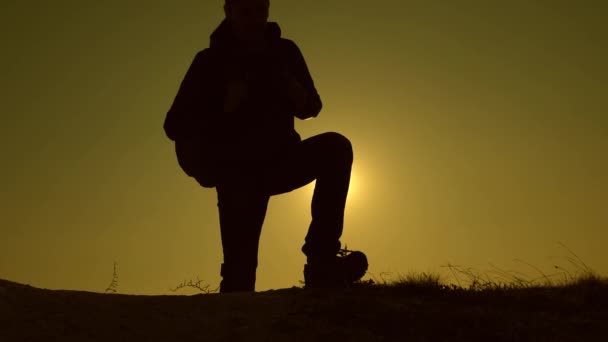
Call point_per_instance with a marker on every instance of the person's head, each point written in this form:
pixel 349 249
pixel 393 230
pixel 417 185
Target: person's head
pixel 247 17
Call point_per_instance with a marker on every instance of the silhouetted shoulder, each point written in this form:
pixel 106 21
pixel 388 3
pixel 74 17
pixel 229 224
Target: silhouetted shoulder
pixel 292 50
pixel 202 66
pixel 203 55
pixel 289 42
pixel 290 46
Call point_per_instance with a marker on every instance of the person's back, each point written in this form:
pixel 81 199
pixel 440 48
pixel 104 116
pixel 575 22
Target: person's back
pixel 233 126
pixel 259 123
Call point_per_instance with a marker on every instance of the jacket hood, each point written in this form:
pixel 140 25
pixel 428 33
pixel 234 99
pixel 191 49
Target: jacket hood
pixel 223 37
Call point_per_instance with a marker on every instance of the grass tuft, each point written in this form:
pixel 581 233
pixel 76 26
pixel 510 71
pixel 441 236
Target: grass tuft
pixel 582 278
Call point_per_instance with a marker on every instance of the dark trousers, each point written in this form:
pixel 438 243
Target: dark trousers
pixel 243 198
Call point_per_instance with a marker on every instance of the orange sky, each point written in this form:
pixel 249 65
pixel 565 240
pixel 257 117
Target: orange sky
pixel 480 135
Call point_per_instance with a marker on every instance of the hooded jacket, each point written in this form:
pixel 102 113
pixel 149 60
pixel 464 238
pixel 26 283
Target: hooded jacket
pixel 207 139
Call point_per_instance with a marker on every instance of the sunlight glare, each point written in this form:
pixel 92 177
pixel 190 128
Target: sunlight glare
pixel 355 187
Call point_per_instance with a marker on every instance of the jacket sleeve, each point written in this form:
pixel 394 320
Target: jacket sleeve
pixel 313 104
pixel 194 100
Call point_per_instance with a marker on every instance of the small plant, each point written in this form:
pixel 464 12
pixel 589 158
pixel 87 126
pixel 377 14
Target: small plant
pixel 475 280
pixel 114 283
pixel 411 281
pixel 584 271
pixel 197 285
pixel 419 280
pixel 382 279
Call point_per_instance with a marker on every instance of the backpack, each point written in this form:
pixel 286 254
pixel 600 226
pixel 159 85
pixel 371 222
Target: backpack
pixel 202 155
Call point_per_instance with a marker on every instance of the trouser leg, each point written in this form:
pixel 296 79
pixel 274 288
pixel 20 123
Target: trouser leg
pixel 329 199
pixel 327 158
pixel 242 211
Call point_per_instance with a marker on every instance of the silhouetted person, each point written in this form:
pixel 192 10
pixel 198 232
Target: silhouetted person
pixel 232 121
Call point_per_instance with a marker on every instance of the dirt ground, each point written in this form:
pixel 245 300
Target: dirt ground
pixel 361 314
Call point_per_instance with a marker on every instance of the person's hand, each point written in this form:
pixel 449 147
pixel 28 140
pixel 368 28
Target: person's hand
pixel 236 92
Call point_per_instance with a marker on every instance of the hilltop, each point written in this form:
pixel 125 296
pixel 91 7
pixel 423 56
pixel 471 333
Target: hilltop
pixel 368 312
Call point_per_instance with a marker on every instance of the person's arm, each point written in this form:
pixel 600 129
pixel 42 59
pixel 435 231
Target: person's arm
pixel 301 88
pixel 193 100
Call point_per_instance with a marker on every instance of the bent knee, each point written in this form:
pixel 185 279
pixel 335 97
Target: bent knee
pixel 340 145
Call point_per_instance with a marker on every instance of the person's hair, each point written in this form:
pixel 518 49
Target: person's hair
pixel 228 3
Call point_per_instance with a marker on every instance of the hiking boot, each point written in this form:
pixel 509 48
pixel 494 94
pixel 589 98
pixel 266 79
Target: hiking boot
pixel 237 278
pixel 339 272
